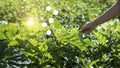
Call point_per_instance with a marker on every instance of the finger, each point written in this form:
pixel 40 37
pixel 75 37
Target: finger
pixel 87 32
pixel 82 30
pixel 85 29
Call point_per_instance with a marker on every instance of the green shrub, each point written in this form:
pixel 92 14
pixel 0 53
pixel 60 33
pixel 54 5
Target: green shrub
pixel 45 34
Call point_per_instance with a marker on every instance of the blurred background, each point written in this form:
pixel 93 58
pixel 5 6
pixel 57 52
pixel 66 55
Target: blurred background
pixel 46 34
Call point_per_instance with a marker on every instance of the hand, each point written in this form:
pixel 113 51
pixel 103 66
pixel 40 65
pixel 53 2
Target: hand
pixel 87 28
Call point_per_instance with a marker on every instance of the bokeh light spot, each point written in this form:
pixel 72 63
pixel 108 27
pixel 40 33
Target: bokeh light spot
pixel 30 21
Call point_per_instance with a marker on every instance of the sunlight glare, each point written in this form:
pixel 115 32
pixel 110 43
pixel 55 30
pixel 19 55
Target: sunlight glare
pixel 30 21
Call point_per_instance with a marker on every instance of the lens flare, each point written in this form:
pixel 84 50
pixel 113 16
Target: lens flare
pixel 30 21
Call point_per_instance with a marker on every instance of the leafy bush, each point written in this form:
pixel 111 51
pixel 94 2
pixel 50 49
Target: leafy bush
pixel 45 34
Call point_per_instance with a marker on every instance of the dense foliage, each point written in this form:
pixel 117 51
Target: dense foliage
pixel 45 34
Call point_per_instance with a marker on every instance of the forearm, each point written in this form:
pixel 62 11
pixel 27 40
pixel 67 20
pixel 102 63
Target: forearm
pixel 109 14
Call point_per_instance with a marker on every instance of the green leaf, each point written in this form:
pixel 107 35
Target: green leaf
pixel 92 63
pixel 88 42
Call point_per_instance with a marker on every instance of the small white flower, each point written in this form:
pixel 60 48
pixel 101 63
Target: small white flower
pixel 4 22
pixel 44 24
pixel 48 8
pixel 51 20
pixel 48 32
pixel 55 12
